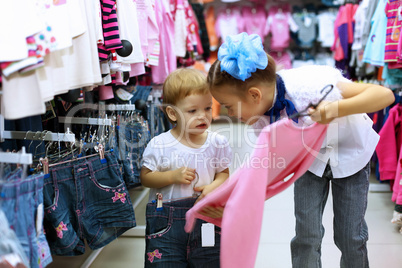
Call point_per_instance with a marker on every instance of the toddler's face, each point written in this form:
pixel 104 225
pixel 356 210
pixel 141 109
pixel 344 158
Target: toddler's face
pixel 194 113
pixel 242 108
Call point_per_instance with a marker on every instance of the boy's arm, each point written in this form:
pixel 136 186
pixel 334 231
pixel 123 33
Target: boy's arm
pixel 159 179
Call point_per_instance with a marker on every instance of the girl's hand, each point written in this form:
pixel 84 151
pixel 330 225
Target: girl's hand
pixel 324 113
pixel 183 175
pixel 213 212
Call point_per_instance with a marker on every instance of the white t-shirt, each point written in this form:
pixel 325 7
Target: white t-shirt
pixel 350 141
pixel 164 152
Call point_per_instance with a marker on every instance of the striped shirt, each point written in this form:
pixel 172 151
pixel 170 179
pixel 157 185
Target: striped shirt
pixel 110 29
pixel 394 23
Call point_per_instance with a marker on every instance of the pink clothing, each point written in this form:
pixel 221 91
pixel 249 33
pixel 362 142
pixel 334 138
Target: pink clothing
pixel 279 23
pixel 282 59
pixel 282 149
pixel 389 151
pixel 167 59
pixel 149 29
pixel 193 36
pixel 394 23
pixel 255 19
pixel 228 22
pixel 343 31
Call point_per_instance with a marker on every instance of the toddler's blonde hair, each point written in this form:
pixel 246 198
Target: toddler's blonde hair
pixel 182 83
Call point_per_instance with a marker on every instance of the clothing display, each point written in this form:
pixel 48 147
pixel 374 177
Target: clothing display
pixel 81 113
pixel 283 152
pixel 22 203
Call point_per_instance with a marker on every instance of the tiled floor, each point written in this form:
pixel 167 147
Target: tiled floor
pixel 385 242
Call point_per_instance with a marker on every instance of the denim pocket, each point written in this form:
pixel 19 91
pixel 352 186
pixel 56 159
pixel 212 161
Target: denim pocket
pixel 108 177
pixel 50 197
pixel 158 223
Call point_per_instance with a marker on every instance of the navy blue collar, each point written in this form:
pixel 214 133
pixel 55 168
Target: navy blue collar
pixel 281 103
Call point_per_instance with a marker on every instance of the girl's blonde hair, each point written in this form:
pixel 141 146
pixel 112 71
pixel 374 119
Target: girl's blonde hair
pixel 182 83
pixel 217 78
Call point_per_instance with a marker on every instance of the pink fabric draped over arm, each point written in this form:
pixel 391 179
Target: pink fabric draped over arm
pixel 282 149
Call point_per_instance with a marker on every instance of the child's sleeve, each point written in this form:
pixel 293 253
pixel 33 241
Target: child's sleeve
pixel 224 153
pixel 292 24
pixel 151 156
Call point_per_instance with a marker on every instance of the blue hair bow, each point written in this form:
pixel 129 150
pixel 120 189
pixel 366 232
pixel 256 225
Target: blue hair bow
pixel 241 55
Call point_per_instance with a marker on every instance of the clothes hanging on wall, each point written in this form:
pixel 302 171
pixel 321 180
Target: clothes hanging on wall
pixel 85 44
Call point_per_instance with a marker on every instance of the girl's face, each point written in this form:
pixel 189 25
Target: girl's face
pixel 194 113
pixel 245 109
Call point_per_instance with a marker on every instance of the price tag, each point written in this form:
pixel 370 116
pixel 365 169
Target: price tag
pixel 207 235
pixel 39 219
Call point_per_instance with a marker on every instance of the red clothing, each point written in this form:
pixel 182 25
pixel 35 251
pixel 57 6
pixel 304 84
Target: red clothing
pixel 388 151
pixel 282 149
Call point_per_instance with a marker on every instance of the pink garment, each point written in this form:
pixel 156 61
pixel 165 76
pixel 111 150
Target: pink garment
pixel 344 33
pixel 149 29
pixel 167 59
pixel 105 93
pixel 255 19
pixel 282 59
pixel 193 36
pixel 228 22
pixel 388 151
pixel 394 23
pixel 281 149
pixel 279 24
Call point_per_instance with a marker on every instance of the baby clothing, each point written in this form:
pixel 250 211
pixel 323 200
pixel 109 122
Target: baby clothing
pixel 255 19
pixel 279 23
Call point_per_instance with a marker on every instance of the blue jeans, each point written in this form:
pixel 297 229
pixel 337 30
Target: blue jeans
pixel 133 138
pixel 9 243
pixel 20 203
pixel 169 246
pixel 349 206
pixel 86 199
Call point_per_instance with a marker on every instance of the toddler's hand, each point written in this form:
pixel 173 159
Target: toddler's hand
pixel 206 189
pixel 183 175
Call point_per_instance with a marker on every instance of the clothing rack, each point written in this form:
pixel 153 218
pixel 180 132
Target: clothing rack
pixel 16 158
pixel 85 121
pixel 36 136
pixel 140 192
pixel 119 107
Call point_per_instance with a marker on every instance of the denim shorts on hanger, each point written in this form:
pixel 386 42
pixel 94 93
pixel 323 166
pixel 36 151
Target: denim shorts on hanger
pixel 86 199
pixel 133 138
pixel 9 243
pixel 21 202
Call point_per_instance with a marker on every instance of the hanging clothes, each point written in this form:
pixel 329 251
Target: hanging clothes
pixel 22 203
pixel 86 199
pixel 389 152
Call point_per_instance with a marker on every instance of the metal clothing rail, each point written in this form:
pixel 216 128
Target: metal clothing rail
pixel 85 121
pixel 16 158
pixel 36 136
pixel 120 107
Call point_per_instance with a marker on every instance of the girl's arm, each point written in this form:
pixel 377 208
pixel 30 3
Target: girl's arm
pixel 357 98
pixel 159 179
